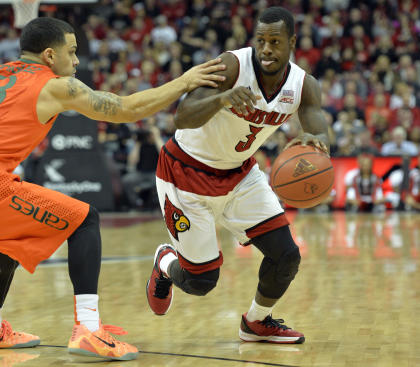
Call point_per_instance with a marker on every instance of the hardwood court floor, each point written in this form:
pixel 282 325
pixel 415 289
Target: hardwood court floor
pixel 356 298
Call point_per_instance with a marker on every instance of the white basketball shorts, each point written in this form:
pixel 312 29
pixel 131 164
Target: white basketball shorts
pixel 195 197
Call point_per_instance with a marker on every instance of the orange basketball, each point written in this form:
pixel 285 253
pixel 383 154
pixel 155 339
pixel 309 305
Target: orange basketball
pixel 302 176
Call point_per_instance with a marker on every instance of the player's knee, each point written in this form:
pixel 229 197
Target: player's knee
pixel 91 221
pixel 7 265
pixel 87 235
pixel 93 216
pixel 200 284
pixel 282 270
pixel 289 264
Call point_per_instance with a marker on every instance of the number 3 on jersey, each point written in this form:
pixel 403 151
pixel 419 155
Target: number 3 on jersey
pixel 245 145
pixel 9 84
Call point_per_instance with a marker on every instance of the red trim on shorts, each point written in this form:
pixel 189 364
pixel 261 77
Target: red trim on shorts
pixel 268 225
pixel 188 174
pixel 200 268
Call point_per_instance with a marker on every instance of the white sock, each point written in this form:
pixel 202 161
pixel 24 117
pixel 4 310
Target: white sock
pixel 86 310
pixel 258 312
pixel 165 261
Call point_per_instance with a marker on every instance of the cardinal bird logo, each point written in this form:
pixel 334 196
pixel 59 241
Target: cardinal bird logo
pixel 175 219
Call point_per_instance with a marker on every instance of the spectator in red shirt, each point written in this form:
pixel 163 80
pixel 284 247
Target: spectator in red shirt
pixel 307 51
pixel 173 9
pixel 379 107
pixel 137 32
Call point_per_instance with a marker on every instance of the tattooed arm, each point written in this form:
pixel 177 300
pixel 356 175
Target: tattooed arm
pixel 68 93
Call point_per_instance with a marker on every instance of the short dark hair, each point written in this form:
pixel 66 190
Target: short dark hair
pixel 276 14
pixel 41 33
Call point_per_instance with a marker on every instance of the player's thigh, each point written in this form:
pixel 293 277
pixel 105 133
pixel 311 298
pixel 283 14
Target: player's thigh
pixel 253 208
pixel 190 223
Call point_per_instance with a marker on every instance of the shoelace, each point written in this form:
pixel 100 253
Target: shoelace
pixel 162 287
pixel 270 322
pixel 6 329
pixel 116 330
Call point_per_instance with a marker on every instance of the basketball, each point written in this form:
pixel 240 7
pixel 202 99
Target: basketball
pixel 302 176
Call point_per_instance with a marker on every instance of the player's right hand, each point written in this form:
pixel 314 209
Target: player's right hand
pixel 241 99
pixel 305 138
pixel 201 75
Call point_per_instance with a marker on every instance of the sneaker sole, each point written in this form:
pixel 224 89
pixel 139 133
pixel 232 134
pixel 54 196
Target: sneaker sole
pixel 30 344
pixel 83 352
pixel 246 337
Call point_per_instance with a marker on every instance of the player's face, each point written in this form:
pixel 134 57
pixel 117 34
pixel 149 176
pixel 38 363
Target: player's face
pixel 65 59
pixel 273 46
pixel 365 164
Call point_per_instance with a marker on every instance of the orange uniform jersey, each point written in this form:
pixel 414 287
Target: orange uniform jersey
pixel 34 221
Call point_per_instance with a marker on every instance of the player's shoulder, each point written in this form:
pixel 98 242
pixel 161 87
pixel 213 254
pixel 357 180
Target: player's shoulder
pixel 230 59
pixel 56 82
pixel 239 56
pixel 241 52
pixel 61 86
pixel 231 72
pixel 311 90
pixel 307 79
pixel 310 82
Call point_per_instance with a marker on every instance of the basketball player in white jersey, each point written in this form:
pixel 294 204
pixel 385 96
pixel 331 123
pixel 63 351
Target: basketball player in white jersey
pixel 206 175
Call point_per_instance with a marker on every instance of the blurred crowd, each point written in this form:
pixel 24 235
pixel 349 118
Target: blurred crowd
pixel 365 55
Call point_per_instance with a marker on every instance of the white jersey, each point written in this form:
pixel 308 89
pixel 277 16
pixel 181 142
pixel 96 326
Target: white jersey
pixel 229 138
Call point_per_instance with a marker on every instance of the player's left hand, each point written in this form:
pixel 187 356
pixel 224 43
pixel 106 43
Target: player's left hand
pixel 202 75
pixel 308 139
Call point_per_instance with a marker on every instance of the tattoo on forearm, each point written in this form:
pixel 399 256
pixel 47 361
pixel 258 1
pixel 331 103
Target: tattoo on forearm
pixel 105 102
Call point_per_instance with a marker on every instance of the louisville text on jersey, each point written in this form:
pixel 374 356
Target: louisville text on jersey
pixel 262 117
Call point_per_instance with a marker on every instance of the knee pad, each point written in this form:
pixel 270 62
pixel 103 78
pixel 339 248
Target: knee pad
pixel 199 284
pixel 274 273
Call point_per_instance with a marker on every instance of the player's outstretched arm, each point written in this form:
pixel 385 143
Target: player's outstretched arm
pixel 68 93
pixel 311 117
pixel 203 103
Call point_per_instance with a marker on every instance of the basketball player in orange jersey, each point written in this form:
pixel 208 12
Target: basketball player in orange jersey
pixel 206 175
pixel 35 221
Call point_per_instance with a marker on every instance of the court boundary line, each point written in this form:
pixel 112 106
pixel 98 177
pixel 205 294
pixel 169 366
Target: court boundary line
pixel 194 356
pixel 217 358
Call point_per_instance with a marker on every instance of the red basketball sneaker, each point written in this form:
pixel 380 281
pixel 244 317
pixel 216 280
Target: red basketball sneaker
pixel 159 288
pixel 269 330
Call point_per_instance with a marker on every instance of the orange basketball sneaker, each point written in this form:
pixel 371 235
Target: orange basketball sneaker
pixel 269 330
pixel 100 343
pixel 15 339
